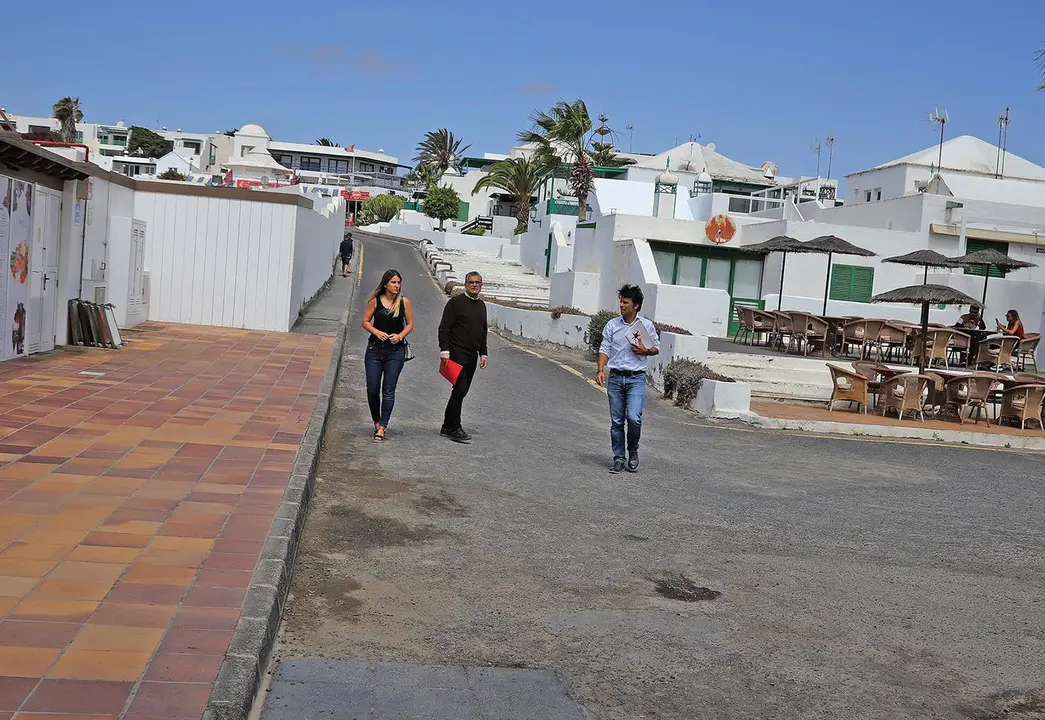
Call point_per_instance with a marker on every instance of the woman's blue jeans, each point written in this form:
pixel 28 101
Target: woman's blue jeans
pixel 383 361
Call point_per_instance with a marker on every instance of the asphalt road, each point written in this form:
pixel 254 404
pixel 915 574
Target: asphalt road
pixel 858 579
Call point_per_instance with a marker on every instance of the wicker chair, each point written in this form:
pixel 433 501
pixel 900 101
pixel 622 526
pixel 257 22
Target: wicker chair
pixel 892 340
pixel 807 329
pixel 782 327
pixel 1026 351
pixel 863 333
pixel 745 322
pixel 903 393
pixel 934 346
pixel 971 392
pixel 848 386
pixel 958 350
pixel 996 350
pixel 1023 403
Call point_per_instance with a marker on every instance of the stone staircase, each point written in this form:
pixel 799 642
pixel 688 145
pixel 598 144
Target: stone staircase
pixel 777 376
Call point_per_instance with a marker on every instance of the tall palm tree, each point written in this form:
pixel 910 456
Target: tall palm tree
pixel 603 154
pixel 421 178
pixel 520 177
pixel 441 150
pixel 327 142
pixel 563 135
pixel 67 111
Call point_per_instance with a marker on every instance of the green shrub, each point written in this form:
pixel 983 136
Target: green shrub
pixel 683 378
pixel 453 288
pixel 475 231
pixel 663 328
pixel 380 208
pixel 558 312
pixel 593 336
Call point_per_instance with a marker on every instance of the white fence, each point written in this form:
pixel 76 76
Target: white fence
pixel 234 262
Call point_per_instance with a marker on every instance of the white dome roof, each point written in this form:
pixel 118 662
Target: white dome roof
pixel 258 159
pixel 668 178
pixel 252 129
pixel 704 177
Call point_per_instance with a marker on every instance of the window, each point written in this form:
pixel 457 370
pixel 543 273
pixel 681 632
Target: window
pixel 193 145
pixel 853 283
pixel 973 245
pixel 79 136
pixel 366 167
pixel 285 160
pixel 665 265
pixel 867 196
pixel 878 194
pixel 311 163
pixel 337 166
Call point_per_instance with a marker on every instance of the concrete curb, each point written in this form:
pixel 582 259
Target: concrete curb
pixel 252 642
pixel 912 432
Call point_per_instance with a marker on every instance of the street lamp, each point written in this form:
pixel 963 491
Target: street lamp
pixel 533 215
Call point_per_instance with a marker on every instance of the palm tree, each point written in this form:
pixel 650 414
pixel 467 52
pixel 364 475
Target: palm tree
pixel 421 178
pixel 603 155
pixel 67 111
pixel 327 142
pixel 519 177
pixel 441 150
pixel 563 135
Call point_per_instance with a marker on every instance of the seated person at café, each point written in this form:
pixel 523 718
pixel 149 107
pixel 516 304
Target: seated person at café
pixel 972 320
pixel 1014 327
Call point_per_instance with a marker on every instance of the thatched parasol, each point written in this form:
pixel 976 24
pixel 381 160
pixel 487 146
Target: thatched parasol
pixel 782 244
pixel 928 258
pixel 832 244
pixel 991 258
pixel 926 295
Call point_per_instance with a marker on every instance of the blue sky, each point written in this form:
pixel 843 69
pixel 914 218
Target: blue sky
pixel 762 79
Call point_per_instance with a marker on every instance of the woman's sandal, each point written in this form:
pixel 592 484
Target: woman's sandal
pixel 379 435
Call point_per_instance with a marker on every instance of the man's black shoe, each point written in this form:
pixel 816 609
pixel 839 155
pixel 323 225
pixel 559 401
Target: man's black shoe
pixel 618 465
pixel 445 433
pixel 633 462
pixel 459 435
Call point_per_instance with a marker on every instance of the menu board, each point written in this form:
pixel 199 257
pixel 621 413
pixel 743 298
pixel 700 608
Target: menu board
pixel 5 254
pixel 15 234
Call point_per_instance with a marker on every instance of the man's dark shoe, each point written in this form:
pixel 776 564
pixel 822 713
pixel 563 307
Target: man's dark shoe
pixel 459 435
pixel 618 465
pixel 633 462
pixel 445 433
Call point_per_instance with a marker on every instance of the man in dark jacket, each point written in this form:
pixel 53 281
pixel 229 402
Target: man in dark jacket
pixel 462 338
pixel 346 254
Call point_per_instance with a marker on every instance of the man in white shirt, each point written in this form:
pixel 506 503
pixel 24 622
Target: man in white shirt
pixel 627 342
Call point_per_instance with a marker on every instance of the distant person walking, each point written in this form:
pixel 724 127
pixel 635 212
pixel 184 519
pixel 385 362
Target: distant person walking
pixel 389 318
pixel 346 254
pixel 462 338
pixel 627 343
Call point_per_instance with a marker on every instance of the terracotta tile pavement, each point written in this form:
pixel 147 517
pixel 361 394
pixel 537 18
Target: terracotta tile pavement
pixel 134 502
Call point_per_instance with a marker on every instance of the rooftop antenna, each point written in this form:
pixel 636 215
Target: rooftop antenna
pixel 1003 141
pixel 818 148
pixel 830 142
pixel 940 119
pixel 631 136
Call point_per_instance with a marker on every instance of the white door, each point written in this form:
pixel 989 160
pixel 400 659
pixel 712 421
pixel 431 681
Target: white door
pixel 134 290
pixel 43 276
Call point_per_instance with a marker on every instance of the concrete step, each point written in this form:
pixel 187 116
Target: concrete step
pixel 793 378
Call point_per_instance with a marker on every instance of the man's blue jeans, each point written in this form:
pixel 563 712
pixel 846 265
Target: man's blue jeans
pixel 383 361
pixel 626 393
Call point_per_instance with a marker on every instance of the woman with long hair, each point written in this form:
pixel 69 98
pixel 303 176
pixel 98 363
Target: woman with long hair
pixel 389 318
pixel 1014 326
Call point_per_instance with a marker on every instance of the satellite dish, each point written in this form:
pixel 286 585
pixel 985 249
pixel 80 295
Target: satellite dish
pixel 264 180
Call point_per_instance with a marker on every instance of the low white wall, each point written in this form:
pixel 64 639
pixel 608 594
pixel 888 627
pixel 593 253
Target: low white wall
pixel 573 289
pixel 509 253
pixel 566 330
pixel 449 240
pixel 561 250
pixel 676 347
pixel 702 311
pixel 504 226
pixel 317 235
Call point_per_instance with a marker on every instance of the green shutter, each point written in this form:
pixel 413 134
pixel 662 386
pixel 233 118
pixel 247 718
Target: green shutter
pixel 863 283
pixel 841 281
pixel 462 210
pixel 973 245
pixel 852 283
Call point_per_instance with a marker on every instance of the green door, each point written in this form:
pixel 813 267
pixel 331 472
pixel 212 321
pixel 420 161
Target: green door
pixel 745 289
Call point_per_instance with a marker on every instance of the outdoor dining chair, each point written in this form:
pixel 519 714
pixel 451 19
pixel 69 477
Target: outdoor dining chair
pixel 903 393
pixel 1022 403
pixel 807 329
pixel 862 333
pixel 744 323
pixel 971 393
pixel 933 346
pixel 958 349
pixel 848 386
pixel 892 341
pixel 1026 351
pixel 782 328
pixel 995 351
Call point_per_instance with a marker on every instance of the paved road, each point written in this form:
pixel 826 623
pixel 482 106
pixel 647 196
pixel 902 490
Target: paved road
pixel 858 579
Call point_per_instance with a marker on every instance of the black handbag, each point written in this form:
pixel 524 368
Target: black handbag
pixel 408 352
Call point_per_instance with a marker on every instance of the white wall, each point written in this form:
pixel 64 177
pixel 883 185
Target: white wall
pixel 702 311
pixel 575 289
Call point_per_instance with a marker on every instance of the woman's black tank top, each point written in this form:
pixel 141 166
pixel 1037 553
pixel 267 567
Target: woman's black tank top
pixel 386 322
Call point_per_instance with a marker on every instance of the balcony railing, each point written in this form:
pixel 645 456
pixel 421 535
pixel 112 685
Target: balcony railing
pixel 557 207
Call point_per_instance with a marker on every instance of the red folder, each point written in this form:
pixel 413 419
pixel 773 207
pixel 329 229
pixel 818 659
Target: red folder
pixel 450 370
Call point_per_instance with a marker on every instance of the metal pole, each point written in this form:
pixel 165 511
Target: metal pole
pixel 827 283
pixel 986 277
pixel 780 295
pixel 920 342
pixel 925 278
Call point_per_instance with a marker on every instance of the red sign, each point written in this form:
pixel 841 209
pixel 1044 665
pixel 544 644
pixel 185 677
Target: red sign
pixel 355 194
pixel 720 229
